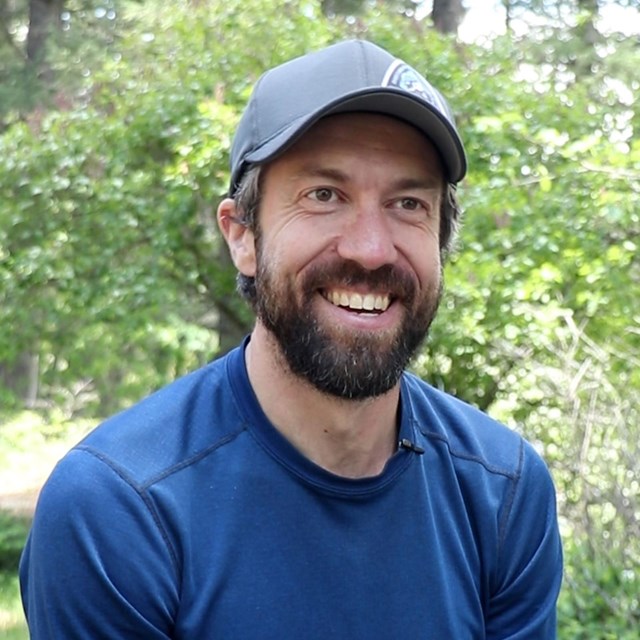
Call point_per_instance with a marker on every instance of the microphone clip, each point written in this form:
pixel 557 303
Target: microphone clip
pixel 405 443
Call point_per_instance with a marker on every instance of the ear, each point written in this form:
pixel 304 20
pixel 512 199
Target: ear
pixel 239 238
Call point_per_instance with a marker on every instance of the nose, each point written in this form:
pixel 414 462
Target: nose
pixel 367 237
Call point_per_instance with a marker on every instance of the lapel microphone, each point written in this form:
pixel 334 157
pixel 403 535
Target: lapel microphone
pixel 410 446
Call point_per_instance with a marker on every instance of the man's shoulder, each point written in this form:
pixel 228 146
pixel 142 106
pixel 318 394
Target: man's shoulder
pixel 171 427
pixel 469 434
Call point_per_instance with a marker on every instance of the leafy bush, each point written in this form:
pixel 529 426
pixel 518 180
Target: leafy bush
pixel 600 599
pixel 13 533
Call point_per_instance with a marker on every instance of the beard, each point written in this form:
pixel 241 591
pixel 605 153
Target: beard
pixel 338 361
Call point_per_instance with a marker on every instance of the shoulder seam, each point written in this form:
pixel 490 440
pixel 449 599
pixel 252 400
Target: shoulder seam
pixel 513 475
pixel 509 500
pixel 193 459
pixel 140 490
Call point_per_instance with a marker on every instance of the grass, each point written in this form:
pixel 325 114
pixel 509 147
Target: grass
pixel 13 531
pixel 30 445
pixel 12 623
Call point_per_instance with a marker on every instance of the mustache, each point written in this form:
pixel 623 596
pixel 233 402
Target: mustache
pixel 390 278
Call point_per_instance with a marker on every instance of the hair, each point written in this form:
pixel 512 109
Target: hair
pixel 249 193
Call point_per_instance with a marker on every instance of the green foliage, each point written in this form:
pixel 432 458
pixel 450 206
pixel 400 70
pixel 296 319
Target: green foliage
pixel 539 242
pixel 112 270
pixel 600 599
pixel 13 533
pixel 107 206
pixel 12 623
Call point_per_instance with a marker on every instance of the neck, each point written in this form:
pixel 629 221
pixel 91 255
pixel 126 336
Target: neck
pixel 351 438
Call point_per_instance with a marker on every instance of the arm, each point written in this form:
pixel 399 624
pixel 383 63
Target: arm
pixel 529 569
pixel 97 564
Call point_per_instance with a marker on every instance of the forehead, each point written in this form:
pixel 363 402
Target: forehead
pixel 368 137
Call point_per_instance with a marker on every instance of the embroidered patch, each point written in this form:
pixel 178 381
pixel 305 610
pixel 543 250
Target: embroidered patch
pixel 404 77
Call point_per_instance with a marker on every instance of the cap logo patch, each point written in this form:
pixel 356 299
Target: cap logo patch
pixel 402 76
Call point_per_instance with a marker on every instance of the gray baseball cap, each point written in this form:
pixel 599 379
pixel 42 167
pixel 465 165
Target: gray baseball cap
pixel 350 76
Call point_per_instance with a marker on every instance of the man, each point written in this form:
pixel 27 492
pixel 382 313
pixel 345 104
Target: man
pixel 304 486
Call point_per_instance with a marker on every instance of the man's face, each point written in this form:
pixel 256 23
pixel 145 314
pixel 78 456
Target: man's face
pixel 348 273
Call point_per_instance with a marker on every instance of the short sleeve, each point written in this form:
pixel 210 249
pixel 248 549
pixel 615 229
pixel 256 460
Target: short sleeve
pixel 529 570
pixel 97 564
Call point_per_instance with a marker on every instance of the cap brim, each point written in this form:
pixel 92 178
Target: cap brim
pixel 386 101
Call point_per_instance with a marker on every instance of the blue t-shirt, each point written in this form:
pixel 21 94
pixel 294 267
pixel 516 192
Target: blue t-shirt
pixel 189 516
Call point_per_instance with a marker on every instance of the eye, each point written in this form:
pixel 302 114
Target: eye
pixel 322 194
pixel 410 204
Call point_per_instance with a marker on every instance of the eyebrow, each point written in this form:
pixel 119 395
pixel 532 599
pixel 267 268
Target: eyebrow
pixel 418 183
pixel 314 171
pixel 336 175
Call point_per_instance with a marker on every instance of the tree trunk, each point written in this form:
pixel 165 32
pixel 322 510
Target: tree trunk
pixel 587 33
pixel 21 378
pixel 43 16
pixel 341 7
pixel 587 27
pixel 508 9
pixel 447 15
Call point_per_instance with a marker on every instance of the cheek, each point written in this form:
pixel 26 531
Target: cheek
pixel 289 252
pixel 421 250
pixel 430 279
pixel 274 273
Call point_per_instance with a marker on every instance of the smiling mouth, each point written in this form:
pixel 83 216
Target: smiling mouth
pixel 368 302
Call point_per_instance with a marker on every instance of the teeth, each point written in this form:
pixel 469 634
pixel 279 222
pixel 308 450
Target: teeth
pixel 369 302
pixel 358 302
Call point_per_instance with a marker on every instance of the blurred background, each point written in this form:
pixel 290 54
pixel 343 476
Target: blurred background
pixel 115 126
